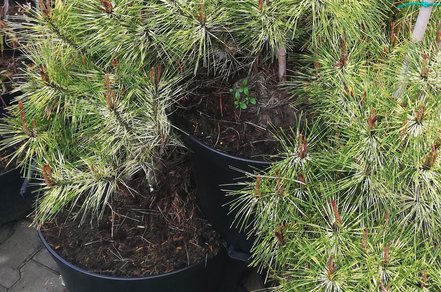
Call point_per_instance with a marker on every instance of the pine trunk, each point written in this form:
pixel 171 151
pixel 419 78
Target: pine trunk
pixel 281 56
pixel 417 36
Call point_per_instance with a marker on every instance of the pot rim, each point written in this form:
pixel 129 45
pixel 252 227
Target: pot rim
pixel 211 149
pixel 80 270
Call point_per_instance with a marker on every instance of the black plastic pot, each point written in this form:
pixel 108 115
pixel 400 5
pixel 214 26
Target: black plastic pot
pixel 15 200
pixel 235 269
pixel 15 197
pixel 201 277
pixel 215 171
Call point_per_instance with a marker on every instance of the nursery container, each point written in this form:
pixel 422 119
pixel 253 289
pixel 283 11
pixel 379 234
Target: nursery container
pixel 215 172
pixel 200 277
pixel 15 202
pixel 15 198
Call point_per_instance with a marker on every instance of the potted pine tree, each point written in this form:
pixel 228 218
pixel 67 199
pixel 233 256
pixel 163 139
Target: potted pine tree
pixel 356 208
pixel 116 208
pixel 242 54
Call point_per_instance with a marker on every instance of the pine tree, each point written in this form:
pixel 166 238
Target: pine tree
pixel 353 204
pixel 104 75
pixel 93 110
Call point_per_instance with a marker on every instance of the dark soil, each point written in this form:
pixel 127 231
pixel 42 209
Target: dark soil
pixel 153 232
pixel 211 115
pixel 11 61
pixel 15 6
pixel 9 67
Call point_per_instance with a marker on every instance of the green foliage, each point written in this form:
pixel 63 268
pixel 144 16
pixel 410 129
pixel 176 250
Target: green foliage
pixel 353 202
pixel 93 111
pixel 242 97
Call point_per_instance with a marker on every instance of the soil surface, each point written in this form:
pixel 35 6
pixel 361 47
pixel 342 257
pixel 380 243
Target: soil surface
pixel 153 232
pixel 11 61
pixel 210 114
pixel 15 6
pixel 9 68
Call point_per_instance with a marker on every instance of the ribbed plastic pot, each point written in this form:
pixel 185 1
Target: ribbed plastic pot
pixel 15 201
pixel 202 277
pixel 214 172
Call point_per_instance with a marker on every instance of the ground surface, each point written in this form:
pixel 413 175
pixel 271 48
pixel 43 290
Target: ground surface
pixel 25 265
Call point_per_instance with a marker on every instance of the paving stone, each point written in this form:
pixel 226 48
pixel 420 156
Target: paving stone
pixel 37 278
pixel 3 289
pixel 8 276
pixel 15 250
pixel 19 247
pixel 6 231
pixel 44 258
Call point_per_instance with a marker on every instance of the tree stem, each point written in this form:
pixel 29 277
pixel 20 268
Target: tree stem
pixel 5 9
pixel 281 56
pixel 417 36
pixel 421 23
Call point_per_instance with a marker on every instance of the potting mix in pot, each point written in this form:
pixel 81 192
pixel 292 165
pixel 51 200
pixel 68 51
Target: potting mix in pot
pixel 12 63
pixel 241 116
pixel 157 230
pixel 330 108
pixel 239 98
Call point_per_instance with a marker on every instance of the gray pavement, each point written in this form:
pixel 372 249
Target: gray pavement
pixel 25 265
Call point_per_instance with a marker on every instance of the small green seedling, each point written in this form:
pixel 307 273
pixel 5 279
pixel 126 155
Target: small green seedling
pixel 242 97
